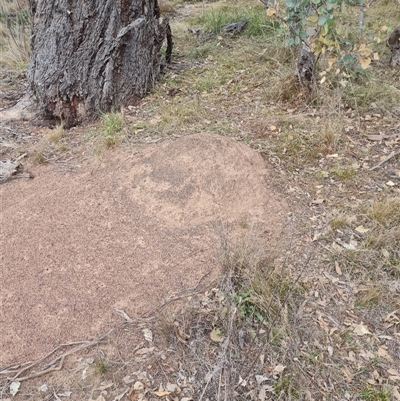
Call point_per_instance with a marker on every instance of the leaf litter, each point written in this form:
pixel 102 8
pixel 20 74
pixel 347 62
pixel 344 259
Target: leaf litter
pixel 320 325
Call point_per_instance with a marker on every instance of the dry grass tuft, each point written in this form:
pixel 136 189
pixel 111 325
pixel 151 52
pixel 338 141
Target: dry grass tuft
pixel 56 134
pixel 14 33
pixel 386 212
pixel 166 8
pixel 370 297
pixel 39 156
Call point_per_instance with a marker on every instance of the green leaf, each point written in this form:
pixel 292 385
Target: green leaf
pixel 290 42
pixel 312 18
pixel 331 7
pixel 322 20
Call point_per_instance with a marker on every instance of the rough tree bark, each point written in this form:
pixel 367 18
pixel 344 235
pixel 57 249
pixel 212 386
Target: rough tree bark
pixel 306 61
pixel 305 66
pixel 393 42
pixel 89 56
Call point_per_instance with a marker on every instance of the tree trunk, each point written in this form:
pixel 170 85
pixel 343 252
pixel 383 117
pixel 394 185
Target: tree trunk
pixel 91 56
pixel 305 66
pixel 394 43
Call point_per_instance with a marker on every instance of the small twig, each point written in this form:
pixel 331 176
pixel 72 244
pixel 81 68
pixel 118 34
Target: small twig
pixel 120 396
pixel 56 396
pixel 21 157
pixel 226 393
pixel 219 385
pixel 43 372
pixel 190 292
pixel 48 368
pixel 205 387
pixel 397 152
pixel 203 6
pixel 14 368
pixel 380 137
pixel 361 19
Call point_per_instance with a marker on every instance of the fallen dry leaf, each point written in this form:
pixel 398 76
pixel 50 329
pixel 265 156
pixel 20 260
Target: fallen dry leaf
pixel 262 394
pixel 133 396
pixel 362 230
pixel 104 386
pixel 367 354
pixel 14 387
pixel 172 388
pixel 148 335
pixel 278 369
pixel 318 201
pixel 392 319
pixel 261 378
pixel 395 393
pixel 393 372
pixel 376 378
pixel 138 386
pixel 271 11
pixel 161 393
pixel 128 379
pixel 384 354
pixel 182 336
pixel 143 351
pixel 351 356
pixel 361 330
pixel 308 396
pixel 348 374
pixel 338 269
pixel 216 336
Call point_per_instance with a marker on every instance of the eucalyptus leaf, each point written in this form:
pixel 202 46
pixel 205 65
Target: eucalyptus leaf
pixel 14 387
pixel 322 20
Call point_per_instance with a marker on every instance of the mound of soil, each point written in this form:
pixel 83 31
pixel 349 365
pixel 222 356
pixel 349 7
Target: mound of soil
pixel 121 235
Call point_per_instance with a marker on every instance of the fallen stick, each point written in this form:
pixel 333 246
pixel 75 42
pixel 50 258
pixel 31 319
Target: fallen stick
pixel 386 159
pixel 48 368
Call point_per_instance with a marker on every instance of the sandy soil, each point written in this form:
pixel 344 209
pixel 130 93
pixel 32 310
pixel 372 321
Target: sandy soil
pixel 121 234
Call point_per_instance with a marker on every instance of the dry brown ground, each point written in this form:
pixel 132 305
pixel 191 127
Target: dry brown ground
pixel 331 329
pixel 123 232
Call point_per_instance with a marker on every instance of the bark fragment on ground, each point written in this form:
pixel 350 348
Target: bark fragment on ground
pixel 12 169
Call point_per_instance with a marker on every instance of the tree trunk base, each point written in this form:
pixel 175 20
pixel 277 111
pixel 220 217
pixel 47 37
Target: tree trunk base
pixel 305 67
pixel 394 44
pixel 92 57
pixel 395 57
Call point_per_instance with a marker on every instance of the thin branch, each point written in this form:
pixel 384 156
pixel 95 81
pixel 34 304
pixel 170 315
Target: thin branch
pixel 361 19
pixel 48 368
pixel 393 154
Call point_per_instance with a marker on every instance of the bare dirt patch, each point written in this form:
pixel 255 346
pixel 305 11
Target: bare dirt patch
pixel 121 234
